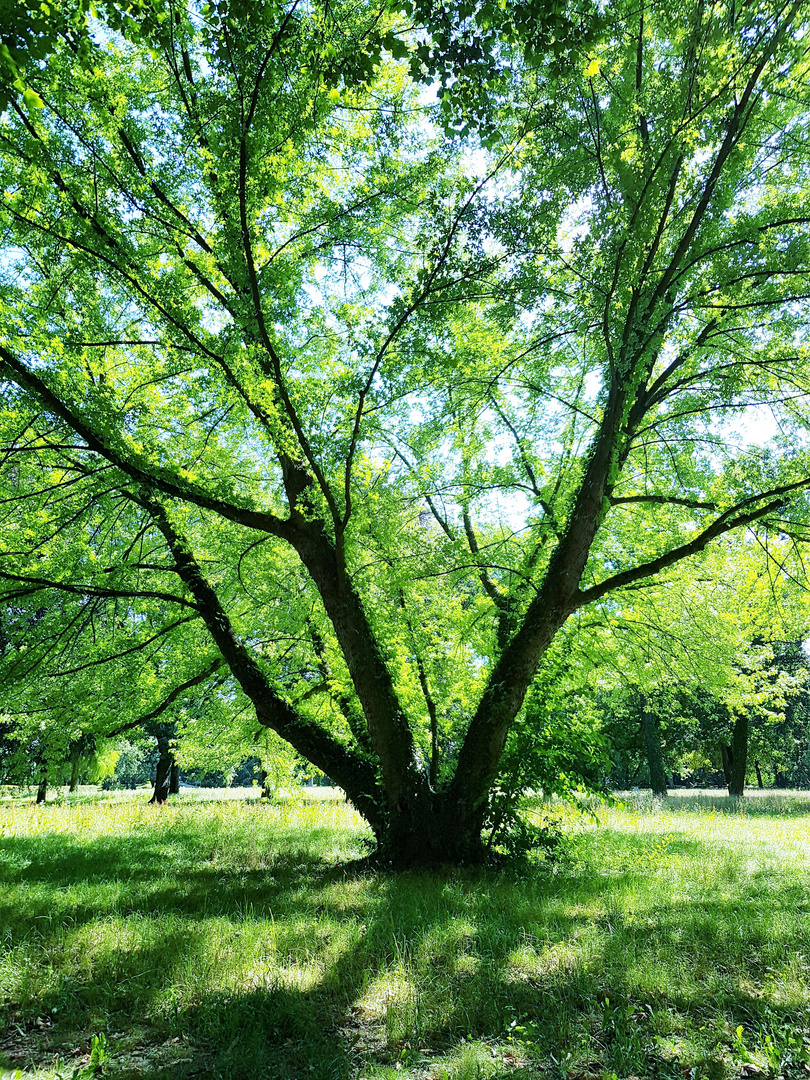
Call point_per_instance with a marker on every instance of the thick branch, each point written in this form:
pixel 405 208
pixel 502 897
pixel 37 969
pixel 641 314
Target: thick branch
pixel 662 500
pixel 512 674
pixel 355 774
pixel 387 724
pixel 161 480
pixel 732 519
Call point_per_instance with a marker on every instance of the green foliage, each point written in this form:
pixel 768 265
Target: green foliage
pixel 330 410
pixel 471 47
pixel 556 746
pixel 134 765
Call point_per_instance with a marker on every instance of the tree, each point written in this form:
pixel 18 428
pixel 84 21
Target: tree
pixel 785 745
pixel 83 669
pixel 686 665
pixel 265 321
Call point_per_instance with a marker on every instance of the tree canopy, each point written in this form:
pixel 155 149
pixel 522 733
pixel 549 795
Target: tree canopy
pixel 363 385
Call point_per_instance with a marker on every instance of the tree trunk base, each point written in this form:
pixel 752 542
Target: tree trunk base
pixel 431 832
pixel 75 764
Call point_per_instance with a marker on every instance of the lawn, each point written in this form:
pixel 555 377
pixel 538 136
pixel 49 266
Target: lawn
pixel 236 940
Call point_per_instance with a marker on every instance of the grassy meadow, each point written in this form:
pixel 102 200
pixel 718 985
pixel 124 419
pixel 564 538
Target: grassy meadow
pixel 231 939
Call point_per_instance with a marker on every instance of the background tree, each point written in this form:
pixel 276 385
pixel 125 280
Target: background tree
pixel 675 669
pixel 263 320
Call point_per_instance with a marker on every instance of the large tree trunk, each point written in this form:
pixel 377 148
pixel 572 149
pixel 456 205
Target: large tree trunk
pixel 652 748
pixel 42 790
pixel 432 830
pixel 739 755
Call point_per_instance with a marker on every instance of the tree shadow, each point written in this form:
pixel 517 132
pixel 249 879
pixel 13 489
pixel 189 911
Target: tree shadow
pixel 334 967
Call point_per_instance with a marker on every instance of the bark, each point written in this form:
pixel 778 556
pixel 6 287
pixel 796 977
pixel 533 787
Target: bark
pixel 42 790
pixel 433 830
pixel 387 724
pixel 760 784
pixel 353 771
pixel 163 773
pixel 726 757
pixel 174 779
pixel 652 748
pixel 739 755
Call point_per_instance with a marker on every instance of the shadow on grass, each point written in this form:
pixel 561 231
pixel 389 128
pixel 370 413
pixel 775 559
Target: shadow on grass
pixel 303 968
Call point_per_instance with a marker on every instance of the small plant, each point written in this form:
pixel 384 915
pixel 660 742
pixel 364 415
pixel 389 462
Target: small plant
pixel 621 1026
pixel 99 1052
pixel 740 1048
pixel 779 1049
pixel 522 1031
pixel 99 1056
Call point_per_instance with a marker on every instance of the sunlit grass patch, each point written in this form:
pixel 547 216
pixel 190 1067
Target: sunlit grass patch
pixel 235 939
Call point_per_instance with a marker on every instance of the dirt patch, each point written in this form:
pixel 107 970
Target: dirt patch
pixel 40 1048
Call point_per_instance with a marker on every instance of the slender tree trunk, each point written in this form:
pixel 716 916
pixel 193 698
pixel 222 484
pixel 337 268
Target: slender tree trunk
pixel 163 773
pixel 42 789
pixel 652 748
pixel 174 779
pixel 760 784
pixel 739 754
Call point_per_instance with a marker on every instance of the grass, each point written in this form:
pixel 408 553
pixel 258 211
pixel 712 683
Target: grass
pixel 230 939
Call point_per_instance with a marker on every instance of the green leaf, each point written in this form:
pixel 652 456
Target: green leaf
pixel 32 100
